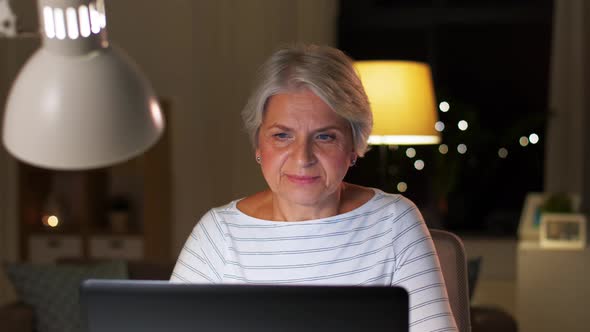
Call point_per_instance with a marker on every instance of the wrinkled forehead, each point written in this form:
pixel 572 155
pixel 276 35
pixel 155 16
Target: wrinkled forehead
pixel 304 110
pixel 298 88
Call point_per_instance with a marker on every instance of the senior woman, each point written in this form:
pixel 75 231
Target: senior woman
pixel 309 120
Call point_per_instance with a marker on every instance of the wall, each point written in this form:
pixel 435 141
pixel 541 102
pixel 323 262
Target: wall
pixel 567 164
pixel 13 54
pixel 202 55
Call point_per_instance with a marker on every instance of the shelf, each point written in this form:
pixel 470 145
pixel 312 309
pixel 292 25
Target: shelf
pixel 128 200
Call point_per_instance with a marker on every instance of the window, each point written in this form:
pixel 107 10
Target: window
pixel 491 64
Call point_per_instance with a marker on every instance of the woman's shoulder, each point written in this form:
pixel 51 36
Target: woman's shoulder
pixel 384 203
pixel 217 215
pixel 362 195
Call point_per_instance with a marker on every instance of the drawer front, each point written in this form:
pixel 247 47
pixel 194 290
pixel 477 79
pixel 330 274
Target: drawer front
pixel 50 248
pixel 122 247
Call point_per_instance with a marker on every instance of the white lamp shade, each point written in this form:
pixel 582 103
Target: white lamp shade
pixel 79 103
pixel 402 100
pixel 80 112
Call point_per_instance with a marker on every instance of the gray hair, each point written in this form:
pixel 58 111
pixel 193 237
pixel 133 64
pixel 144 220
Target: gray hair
pixel 327 72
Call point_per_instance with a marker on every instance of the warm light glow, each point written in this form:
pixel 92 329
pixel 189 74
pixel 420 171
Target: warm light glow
pixel 443 149
pixel 60 24
pixel 84 21
pixel 462 125
pixel 534 138
pixel 72 22
pixel 411 152
pixel 523 141
pixel 52 221
pixel 503 153
pixel 401 95
pixel 419 164
pixel 48 22
pixel 444 107
pixel 462 148
pixel 403 140
pixel 402 187
pixel 439 126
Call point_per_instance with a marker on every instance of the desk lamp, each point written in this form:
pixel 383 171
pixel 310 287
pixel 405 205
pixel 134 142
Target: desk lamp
pixel 79 102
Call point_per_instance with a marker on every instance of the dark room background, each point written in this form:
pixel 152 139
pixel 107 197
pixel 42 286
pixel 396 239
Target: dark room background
pixel 490 63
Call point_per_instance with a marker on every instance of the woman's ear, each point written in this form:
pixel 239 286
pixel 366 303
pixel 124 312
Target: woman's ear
pixel 353 157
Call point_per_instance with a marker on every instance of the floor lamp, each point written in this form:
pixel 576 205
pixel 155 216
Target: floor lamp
pixel 402 99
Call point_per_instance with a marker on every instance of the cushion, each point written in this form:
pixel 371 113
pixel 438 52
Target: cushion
pixel 7 291
pixel 53 290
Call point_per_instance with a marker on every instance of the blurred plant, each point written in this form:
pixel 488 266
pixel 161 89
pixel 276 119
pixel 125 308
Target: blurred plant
pixel 557 203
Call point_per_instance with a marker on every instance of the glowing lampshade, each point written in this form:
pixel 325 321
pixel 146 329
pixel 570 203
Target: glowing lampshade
pixel 79 103
pixel 402 99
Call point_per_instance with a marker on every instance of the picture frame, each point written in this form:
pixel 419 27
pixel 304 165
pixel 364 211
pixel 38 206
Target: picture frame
pixel 563 231
pixel 529 224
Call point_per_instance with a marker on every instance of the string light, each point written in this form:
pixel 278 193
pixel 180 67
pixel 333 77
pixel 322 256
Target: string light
pixel 419 164
pixel 402 187
pixel 462 125
pixel 462 148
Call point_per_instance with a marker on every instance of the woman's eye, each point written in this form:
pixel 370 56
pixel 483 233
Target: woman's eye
pixel 281 135
pixel 325 137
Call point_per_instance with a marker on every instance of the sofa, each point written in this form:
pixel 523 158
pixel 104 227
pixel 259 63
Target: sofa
pixel 20 317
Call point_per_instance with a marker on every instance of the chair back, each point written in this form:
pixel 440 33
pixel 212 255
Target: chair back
pixel 453 261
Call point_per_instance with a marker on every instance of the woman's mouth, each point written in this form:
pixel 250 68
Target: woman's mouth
pixel 302 179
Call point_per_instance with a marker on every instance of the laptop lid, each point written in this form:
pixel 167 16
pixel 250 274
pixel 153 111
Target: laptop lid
pixel 150 306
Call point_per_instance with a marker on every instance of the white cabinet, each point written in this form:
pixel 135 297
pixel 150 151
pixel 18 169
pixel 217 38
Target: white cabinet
pixel 553 291
pixel 50 248
pixel 116 246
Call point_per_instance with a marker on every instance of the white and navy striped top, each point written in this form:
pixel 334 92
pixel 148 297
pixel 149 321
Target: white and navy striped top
pixel 382 242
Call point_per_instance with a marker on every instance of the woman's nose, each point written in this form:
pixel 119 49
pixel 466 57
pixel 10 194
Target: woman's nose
pixel 304 154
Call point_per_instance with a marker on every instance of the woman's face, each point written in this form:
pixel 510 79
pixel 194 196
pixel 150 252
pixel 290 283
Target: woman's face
pixel 306 148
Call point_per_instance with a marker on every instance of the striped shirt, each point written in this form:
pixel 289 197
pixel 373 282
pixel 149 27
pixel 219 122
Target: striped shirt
pixel 382 242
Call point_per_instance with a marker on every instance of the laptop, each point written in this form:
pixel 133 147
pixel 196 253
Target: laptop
pixel 150 306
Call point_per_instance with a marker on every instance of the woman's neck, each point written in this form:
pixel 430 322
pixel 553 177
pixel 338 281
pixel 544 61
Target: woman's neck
pixel 285 210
